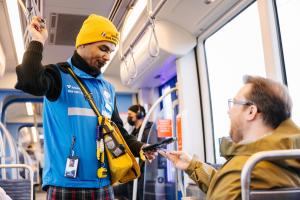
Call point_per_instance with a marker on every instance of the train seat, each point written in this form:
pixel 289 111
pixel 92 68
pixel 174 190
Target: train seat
pixel 274 194
pixel 17 188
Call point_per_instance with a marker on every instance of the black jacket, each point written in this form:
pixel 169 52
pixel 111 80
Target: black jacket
pixel 145 136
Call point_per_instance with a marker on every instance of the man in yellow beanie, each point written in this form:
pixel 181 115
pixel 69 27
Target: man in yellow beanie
pixel 69 121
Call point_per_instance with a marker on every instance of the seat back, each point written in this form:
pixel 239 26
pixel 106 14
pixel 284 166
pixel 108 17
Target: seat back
pixel 278 194
pixel 284 193
pixel 18 189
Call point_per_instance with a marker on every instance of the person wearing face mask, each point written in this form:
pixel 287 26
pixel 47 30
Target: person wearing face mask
pixel 70 124
pixel 136 115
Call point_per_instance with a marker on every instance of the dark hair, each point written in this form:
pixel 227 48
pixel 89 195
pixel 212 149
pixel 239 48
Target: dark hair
pixel 271 98
pixel 139 110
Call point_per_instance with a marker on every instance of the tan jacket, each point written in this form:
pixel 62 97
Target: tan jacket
pixel 225 183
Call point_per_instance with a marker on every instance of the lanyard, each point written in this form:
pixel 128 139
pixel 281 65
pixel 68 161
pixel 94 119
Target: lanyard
pixel 72 146
pixel 102 171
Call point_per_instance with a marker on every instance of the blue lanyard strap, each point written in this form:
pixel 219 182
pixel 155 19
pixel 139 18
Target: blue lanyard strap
pixel 72 146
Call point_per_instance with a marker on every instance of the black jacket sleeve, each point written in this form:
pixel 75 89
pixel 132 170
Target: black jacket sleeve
pixel 147 132
pixel 36 79
pixel 134 145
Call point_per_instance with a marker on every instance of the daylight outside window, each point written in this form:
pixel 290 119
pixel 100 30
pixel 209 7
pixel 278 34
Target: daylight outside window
pixel 232 52
pixel 288 14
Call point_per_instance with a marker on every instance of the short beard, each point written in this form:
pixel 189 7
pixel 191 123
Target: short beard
pixel 237 137
pixel 100 64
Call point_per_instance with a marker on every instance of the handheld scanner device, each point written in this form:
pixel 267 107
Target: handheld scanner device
pixel 159 145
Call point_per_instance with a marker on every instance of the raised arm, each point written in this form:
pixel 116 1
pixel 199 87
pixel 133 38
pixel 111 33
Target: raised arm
pixel 33 77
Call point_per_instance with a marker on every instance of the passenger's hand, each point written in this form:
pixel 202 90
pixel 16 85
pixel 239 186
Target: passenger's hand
pixel 37 30
pixel 148 155
pixel 179 159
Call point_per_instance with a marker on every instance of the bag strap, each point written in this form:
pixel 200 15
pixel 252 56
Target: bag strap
pixel 87 94
pixel 102 171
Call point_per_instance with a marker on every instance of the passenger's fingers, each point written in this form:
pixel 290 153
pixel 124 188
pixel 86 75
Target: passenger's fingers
pixel 36 23
pixel 177 153
pixel 171 157
pixel 163 153
pixel 150 155
pixel 37 19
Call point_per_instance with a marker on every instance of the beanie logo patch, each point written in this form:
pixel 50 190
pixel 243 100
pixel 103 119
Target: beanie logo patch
pixel 110 37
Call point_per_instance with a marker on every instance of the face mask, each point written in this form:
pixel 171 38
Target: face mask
pixel 130 121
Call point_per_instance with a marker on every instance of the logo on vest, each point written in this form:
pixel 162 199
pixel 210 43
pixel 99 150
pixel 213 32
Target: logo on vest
pixel 73 89
pixel 106 95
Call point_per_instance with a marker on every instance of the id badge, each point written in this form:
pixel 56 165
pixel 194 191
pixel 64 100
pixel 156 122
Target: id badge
pixel 71 167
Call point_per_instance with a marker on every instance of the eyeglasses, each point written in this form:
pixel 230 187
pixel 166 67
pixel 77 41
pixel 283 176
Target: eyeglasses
pixel 232 102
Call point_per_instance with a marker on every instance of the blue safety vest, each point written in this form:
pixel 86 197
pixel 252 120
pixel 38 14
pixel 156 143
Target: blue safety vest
pixel 71 115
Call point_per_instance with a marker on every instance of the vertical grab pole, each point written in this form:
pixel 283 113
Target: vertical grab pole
pixel 140 134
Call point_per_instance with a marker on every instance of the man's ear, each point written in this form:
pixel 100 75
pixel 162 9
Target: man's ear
pixel 252 111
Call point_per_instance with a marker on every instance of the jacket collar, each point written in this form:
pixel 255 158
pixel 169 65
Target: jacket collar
pixel 82 69
pixel 285 136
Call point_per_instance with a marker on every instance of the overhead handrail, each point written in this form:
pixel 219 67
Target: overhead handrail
pixel 139 35
pixel 153 32
pixel 153 36
pixel 29 10
pixel 129 52
pixel 126 66
pixel 140 134
pixel 121 34
pixel 257 157
pixel 133 61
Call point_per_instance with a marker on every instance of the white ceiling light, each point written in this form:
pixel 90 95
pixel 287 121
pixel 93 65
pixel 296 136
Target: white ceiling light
pixel 34 134
pixel 133 16
pixel 15 23
pixel 29 108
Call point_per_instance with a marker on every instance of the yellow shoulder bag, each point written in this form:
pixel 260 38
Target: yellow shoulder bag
pixel 122 164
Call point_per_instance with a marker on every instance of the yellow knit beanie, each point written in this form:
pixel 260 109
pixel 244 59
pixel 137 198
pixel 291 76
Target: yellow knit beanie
pixel 97 28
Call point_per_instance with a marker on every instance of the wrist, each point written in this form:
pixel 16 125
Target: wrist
pixel 191 165
pixel 39 40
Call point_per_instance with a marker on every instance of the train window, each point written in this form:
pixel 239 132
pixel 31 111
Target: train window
pixel 288 13
pixel 167 104
pixel 233 51
pixel 124 101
